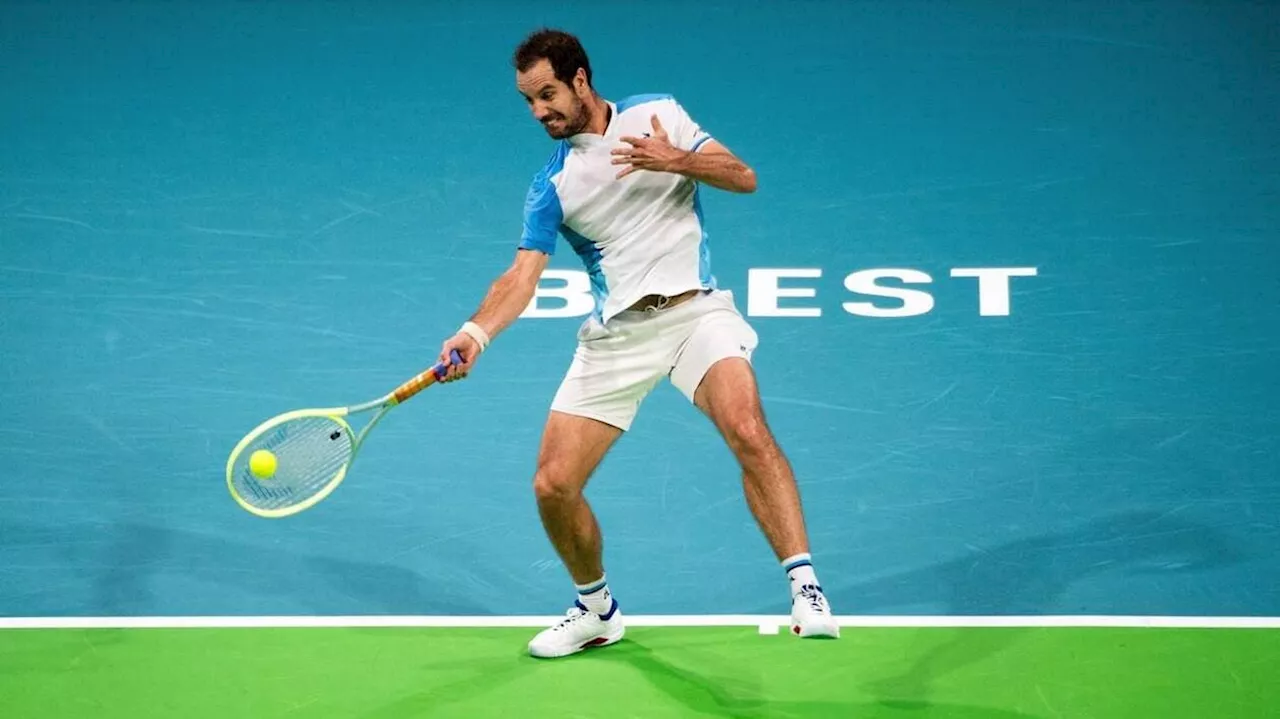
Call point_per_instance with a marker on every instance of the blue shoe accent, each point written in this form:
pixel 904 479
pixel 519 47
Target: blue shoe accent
pixel 612 610
pixel 606 617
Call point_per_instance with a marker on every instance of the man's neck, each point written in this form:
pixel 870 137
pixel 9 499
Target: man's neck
pixel 600 111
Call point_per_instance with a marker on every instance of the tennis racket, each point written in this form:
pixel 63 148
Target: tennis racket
pixel 310 451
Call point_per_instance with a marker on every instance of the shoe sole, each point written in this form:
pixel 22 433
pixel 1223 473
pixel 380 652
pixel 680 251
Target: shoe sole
pixel 596 643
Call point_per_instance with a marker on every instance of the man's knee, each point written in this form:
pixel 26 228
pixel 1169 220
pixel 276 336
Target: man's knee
pixel 552 482
pixel 747 432
pixel 571 449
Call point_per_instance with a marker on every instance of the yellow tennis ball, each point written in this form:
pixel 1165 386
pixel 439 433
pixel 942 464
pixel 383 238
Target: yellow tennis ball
pixel 262 463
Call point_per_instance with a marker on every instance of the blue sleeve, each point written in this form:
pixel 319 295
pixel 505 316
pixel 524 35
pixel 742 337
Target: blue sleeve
pixel 687 134
pixel 542 216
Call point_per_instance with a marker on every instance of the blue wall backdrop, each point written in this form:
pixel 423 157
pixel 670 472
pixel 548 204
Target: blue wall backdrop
pixel 214 212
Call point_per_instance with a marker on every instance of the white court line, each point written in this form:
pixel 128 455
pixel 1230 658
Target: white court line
pixel 651 620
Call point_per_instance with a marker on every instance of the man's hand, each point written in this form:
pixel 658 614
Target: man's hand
pixel 467 347
pixel 712 164
pixel 654 152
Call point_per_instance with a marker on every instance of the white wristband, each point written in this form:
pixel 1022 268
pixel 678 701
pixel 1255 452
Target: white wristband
pixel 477 333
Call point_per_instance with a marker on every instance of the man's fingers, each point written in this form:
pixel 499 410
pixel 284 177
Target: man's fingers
pixel 468 352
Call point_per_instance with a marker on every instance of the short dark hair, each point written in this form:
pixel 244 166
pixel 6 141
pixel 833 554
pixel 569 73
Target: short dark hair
pixel 561 49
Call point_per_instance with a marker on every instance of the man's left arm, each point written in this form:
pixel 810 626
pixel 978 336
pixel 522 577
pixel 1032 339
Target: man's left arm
pixel 715 165
pixel 707 161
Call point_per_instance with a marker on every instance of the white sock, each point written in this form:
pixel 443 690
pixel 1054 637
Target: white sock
pixel 595 596
pixel 799 569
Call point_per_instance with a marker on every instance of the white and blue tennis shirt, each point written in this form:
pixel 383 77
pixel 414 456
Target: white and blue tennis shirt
pixel 640 235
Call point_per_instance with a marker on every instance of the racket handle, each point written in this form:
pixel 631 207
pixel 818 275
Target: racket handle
pixel 426 379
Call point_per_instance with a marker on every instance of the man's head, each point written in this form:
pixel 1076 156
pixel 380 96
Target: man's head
pixel 554 76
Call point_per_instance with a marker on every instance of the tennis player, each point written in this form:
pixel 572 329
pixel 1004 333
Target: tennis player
pixel 622 188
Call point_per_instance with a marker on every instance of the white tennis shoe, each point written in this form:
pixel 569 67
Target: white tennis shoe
pixel 580 629
pixel 811 614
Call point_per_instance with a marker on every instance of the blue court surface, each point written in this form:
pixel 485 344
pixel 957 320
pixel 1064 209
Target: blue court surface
pixel 1013 267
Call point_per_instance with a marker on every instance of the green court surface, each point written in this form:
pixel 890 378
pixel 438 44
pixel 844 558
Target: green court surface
pixel 388 673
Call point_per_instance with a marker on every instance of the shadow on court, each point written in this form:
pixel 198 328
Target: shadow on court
pixel 481 679
pixel 718 689
pixel 721 686
pixel 125 561
pixel 1029 576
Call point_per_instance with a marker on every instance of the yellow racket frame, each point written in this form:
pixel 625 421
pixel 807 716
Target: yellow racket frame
pixel 337 414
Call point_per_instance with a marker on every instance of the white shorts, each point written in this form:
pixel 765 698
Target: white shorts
pixel 618 364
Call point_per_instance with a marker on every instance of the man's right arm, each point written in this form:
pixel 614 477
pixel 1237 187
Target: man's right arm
pixel 510 294
pixel 507 297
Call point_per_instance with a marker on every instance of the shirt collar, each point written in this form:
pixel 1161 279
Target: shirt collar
pixel 585 139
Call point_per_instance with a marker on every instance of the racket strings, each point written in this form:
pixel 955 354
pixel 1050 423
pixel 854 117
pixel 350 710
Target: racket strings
pixel 310 452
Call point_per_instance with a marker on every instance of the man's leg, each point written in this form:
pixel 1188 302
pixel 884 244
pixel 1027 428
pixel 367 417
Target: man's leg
pixel 728 394
pixel 713 370
pixel 572 448
pixel 610 375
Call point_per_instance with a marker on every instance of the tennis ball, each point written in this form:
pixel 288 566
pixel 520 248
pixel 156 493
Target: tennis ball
pixel 262 463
